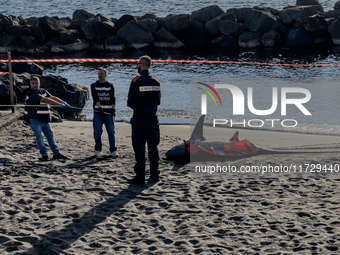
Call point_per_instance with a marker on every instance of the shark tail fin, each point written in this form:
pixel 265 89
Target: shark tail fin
pixel 234 138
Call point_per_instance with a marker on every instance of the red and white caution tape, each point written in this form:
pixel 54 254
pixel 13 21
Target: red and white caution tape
pixel 113 60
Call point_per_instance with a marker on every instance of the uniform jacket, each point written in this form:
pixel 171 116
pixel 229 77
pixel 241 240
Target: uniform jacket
pixel 144 94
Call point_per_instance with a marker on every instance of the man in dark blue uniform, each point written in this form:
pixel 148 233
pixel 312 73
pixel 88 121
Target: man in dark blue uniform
pixel 144 98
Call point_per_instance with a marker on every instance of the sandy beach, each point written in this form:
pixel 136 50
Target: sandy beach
pixel 84 205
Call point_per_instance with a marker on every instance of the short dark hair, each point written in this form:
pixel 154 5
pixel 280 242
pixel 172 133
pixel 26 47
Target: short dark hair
pixel 102 69
pixel 147 59
pixel 34 78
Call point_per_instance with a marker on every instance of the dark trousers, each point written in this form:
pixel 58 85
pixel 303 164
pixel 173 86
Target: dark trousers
pixel 145 129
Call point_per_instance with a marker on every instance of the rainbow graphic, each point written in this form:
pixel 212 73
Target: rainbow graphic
pixel 209 93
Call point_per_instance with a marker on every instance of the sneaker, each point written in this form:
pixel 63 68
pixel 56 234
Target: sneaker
pixel 59 156
pixel 114 154
pixel 136 181
pixel 97 153
pixel 44 158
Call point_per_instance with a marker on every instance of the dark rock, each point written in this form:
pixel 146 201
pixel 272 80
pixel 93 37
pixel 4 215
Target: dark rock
pixel 7 43
pixel 82 15
pixel 307 2
pixel 291 14
pixel 249 40
pixel 14 29
pixel 20 85
pixel 122 21
pixel 113 44
pixel 164 39
pixel 225 42
pixel 97 46
pixel 205 14
pixel 38 34
pixel 257 21
pixel 77 45
pixel 33 21
pixel 194 36
pixel 134 35
pixel 6 21
pixel 2 32
pixel 68 36
pixel 177 22
pixel 51 27
pixel 227 27
pixel 268 9
pixel 270 39
pixel 212 26
pixel 5 95
pixel 150 25
pixel 298 38
pixel 51 43
pixel 99 28
pixel 334 30
pixel 74 94
pixel 337 6
pixel 22 21
pixel 27 44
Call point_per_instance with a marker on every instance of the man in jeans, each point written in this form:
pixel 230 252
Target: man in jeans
pixel 104 105
pixel 40 117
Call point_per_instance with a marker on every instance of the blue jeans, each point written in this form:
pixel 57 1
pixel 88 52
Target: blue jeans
pixel 98 121
pixel 39 128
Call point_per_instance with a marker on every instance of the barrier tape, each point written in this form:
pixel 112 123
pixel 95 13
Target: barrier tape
pixel 99 60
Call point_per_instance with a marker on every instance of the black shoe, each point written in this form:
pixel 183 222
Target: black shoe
pixel 136 181
pixel 59 156
pixel 154 179
pixel 44 158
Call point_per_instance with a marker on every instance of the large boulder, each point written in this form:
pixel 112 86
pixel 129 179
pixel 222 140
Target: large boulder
pixel 337 6
pixel 135 36
pixel 257 21
pixel 334 30
pixel 113 44
pixel 164 39
pixel 28 44
pixel 77 45
pixel 6 21
pixel 5 98
pixel 20 85
pixel 212 26
pixel 122 21
pixel 51 43
pixel 249 40
pixel 225 42
pixel 205 14
pixel 298 38
pixel 291 14
pixel 227 27
pixel 177 22
pixel 150 25
pixel 307 2
pixel 68 36
pixel 82 15
pixel 14 29
pixel 51 27
pixel 74 94
pixel 270 39
pixel 194 36
pixel 23 67
pixel 99 28
pixel 8 43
